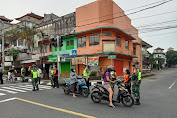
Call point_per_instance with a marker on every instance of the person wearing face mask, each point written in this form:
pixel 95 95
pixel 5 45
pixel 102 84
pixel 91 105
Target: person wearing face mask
pixel 73 79
pixel 55 74
pixel 127 80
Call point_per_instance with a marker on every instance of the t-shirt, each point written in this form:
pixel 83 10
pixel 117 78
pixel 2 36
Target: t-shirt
pixel 106 74
pixel 12 70
pixel 39 73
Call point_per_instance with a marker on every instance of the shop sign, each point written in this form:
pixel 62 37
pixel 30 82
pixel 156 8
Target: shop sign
pixel 35 57
pixel 112 57
pixel 8 64
pixel 93 61
pixel 8 58
pixel 78 60
pixel 53 58
pixel 65 55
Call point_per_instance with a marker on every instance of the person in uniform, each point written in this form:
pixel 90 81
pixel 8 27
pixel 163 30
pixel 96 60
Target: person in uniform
pixel 86 74
pixel 51 76
pixel 136 77
pixel 55 74
pixel 34 72
pixel 23 73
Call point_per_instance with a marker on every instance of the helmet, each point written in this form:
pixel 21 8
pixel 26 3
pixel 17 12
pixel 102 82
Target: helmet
pixel 72 68
pixel 111 68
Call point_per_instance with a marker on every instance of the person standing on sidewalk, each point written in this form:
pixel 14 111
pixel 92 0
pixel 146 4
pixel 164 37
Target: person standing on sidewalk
pixel 34 72
pixel 136 77
pixel 86 74
pixel 51 76
pixel 55 74
pixel 1 75
pixel 23 73
pixel 39 75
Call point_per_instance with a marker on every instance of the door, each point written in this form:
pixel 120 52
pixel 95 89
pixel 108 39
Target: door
pixel 65 69
pixel 119 67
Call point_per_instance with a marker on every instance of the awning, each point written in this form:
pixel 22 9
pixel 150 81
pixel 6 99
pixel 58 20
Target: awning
pixel 27 61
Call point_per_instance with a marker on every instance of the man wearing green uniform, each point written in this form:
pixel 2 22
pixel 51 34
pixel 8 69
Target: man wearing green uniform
pixel 136 77
pixel 23 73
pixel 86 74
pixel 51 75
pixel 34 72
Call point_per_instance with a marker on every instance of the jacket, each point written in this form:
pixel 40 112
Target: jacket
pixel 72 77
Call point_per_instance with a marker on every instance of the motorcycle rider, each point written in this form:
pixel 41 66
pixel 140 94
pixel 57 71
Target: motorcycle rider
pixel 73 79
pixel 136 76
pixel 107 83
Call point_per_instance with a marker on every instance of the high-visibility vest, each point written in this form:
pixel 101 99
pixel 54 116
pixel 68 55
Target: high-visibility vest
pixel 85 74
pixel 139 73
pixel 52 71
pixel 34 72
pixel 22 70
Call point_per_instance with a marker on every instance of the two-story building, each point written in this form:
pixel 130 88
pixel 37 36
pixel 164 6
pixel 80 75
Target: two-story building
pixel 158 53
pixel 104 36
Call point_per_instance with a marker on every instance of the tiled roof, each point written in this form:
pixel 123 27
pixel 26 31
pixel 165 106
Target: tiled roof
pixel 6 19
pixel 159 48
pixel 31 15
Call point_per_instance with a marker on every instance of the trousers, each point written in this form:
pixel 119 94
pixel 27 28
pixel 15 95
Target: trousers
pixel 136 88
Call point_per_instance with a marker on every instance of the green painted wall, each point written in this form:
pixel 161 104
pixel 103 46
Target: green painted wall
pixel 63 49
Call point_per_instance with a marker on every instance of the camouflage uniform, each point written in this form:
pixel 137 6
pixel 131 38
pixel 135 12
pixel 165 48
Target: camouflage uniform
pixel 136 83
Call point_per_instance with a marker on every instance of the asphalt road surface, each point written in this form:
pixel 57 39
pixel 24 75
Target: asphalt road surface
pixel 158 100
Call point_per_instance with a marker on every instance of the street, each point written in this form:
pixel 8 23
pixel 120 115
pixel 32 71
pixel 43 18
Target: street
pixel 158 100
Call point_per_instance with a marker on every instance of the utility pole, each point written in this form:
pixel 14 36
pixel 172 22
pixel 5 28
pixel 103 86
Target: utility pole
pixel 2 45
pixel 58 57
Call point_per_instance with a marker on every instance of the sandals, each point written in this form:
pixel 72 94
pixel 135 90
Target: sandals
pixel 111 106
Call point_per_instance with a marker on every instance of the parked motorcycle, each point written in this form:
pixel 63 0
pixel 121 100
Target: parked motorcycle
pixel 100 93
pixel 81 87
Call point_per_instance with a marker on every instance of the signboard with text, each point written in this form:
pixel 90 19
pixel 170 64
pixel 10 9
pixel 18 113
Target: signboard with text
pixel 93 61
pixel 78 60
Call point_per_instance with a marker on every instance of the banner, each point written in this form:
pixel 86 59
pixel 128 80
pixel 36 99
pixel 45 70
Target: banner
pixel 78 60
pixel 93 61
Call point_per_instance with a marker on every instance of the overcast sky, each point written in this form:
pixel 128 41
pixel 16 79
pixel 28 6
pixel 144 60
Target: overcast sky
pixel 164 38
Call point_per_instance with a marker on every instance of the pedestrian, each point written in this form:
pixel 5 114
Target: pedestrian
pixel 55 74
pixel 136 77
pixel 86 74
pixel 39 75
pixel 73 79
pixel 1 75
pixel 12 73
pixel 34 72
pixel 23 71
pixel 127 80
pixel 107 83
pixel 51 76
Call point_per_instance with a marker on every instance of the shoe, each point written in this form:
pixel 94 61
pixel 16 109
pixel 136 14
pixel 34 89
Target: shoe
pixel 137 102
pixel 111 106
pixel 37 88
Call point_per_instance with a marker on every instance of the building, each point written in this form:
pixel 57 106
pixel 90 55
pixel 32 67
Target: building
pixel 170 48
pixel 4 22
pixel 158 53
pixel 147 62
pixel 104 39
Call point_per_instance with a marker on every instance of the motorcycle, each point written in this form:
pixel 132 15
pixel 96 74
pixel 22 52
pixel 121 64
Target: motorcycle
pixel 81 87
pixel 100 93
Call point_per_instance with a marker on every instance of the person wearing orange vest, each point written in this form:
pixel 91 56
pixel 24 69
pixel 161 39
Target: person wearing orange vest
pixel 127 80
pixel 55 74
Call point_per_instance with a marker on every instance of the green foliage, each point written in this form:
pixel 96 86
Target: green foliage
pixel 171 56
pixel 13 52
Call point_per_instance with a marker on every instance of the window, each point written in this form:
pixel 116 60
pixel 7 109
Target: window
pixel 107 34
pixel 70 45
pixel 118 41
pixel 134 51
pixel 81 42
pixel 94 40
pixel 126 44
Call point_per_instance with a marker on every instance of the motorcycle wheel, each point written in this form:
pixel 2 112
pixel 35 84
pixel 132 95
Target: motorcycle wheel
pixel 66 90
pixel 127 101
pixel 85 92
pixel 96 97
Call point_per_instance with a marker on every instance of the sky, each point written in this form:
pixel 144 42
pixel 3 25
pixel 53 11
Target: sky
pixel 165 38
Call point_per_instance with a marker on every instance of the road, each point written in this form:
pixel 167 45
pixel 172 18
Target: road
pixel 158 100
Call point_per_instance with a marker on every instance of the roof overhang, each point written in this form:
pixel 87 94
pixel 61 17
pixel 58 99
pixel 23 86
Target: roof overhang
pixel 106 28
pixel 136 43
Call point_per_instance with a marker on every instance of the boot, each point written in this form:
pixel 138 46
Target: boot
pixel 33 88
pixel 37 88
pixel 137 102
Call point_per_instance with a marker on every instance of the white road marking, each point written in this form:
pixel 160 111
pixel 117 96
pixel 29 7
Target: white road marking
pixel 13 89
pixel 1 94
pixel 28 89
pixel 13 92
pixel 41 86
pixel 6 100
pixel 172 84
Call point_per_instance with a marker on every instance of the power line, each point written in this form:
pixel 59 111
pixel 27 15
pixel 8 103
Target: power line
pixel 127 14
pixel 160 34
pixel 124 11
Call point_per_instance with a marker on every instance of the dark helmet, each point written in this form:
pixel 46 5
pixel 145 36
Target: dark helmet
pixel 111 68
pixel 72 68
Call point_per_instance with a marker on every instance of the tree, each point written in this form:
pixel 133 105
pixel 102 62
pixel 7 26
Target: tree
pixel 13 52
pixel 171 56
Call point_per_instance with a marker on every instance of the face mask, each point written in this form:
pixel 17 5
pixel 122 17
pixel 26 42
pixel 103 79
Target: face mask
pixel 74 70
pixel 112 72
